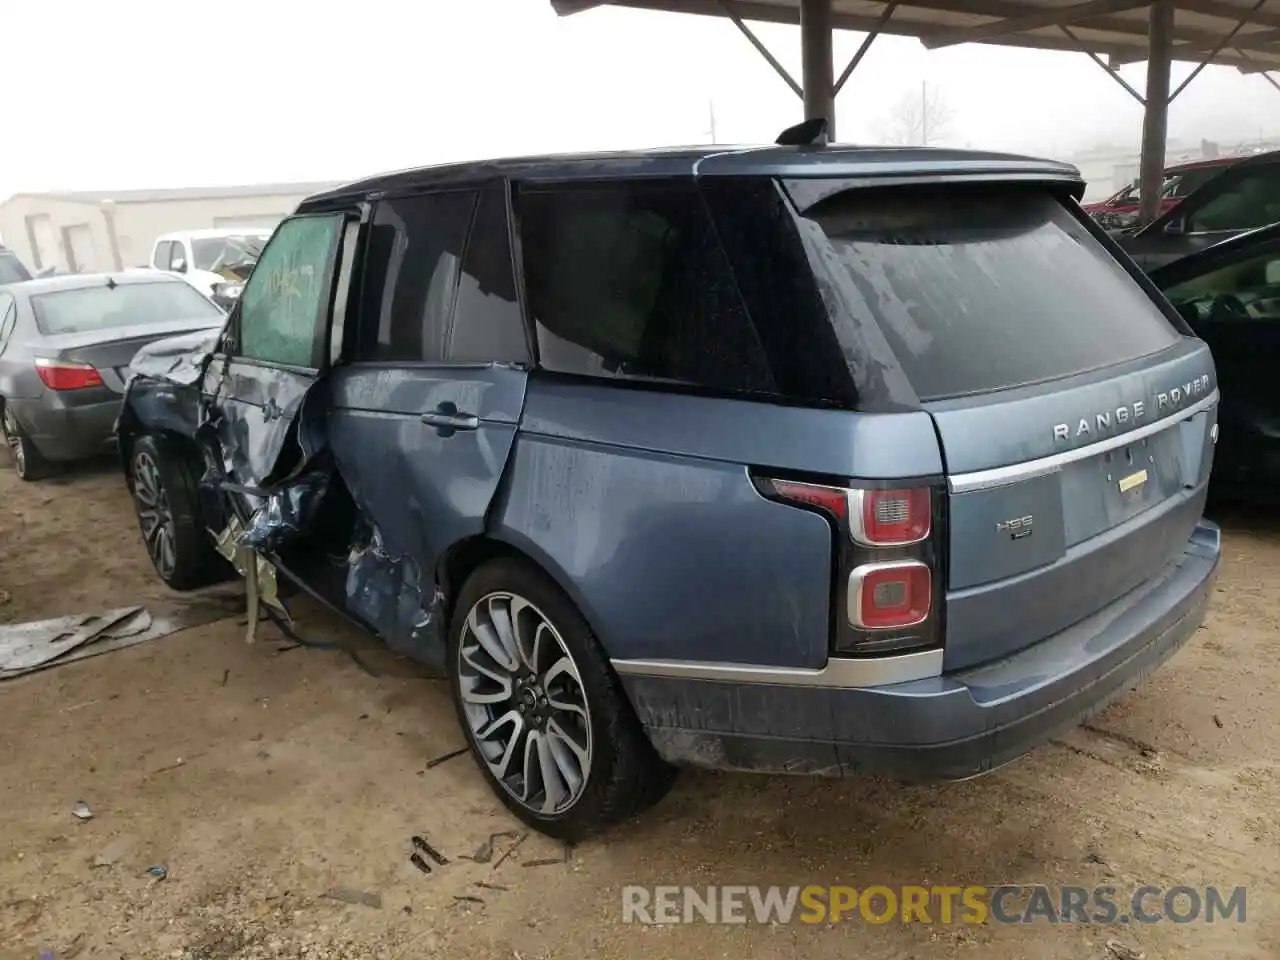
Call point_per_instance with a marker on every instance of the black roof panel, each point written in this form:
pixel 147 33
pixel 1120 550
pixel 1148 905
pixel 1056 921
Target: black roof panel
pixel 872 163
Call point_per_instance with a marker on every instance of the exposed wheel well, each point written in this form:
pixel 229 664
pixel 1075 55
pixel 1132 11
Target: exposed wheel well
pixel 465 557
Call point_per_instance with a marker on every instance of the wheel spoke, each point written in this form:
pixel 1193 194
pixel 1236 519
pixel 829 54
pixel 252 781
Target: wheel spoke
pixel 505 750
pixel 554 788
pixel 500 617
pixel 167 557
pixel 150 521
pixel 531 769
pixel 561 738
pixel 496 674
pixel 537 647
pixel 489 640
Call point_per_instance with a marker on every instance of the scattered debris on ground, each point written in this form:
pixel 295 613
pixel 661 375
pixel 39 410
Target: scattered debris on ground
pixel 41 644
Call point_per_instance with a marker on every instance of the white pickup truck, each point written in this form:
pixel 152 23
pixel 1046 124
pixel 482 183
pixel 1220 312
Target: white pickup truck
pixel 216 260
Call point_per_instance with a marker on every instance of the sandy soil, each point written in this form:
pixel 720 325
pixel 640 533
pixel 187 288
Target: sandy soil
pixel 263 776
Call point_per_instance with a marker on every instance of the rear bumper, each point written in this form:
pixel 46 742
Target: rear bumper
pixel 948 727
pixel 62 432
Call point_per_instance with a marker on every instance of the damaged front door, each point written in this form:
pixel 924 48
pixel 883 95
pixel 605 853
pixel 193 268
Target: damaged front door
pixel 274 349
pixel 424 415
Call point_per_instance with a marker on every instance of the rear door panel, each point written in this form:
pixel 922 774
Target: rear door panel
pixel 425 411
pixel 426 484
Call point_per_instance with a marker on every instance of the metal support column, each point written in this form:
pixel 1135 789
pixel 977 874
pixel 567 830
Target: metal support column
pixel 1155 120
pixel 818 69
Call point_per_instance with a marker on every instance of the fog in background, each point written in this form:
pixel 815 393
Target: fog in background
pixel 123 94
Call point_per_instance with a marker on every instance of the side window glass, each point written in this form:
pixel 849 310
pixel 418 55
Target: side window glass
pixel 1253 200
pixel 161 261
pixel 1242 291
pixel 284 306
pixel 487 325
pixel 630 280
pixel 412 264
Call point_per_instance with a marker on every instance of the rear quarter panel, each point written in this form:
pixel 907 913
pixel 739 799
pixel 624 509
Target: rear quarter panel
pixel 641 504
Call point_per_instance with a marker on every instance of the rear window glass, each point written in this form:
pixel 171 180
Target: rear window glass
pixel 979 291
pixel 102 307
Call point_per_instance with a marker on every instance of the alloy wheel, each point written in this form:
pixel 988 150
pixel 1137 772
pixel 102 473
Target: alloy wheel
pixel 524 703
pixel 154 514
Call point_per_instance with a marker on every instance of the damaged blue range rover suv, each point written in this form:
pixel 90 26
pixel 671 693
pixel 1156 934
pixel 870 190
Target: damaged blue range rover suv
pixel 801 458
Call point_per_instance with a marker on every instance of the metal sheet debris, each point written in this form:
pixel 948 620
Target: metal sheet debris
pixel 41 644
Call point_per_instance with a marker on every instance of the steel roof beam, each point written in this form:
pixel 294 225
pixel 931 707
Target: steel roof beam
pixel 1112 72
pixel 869 39
pixel 732 13
pixel 1215 51
pixel 1045 17
pixel 1132 48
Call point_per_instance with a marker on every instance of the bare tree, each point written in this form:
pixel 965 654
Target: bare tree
pixel 917 118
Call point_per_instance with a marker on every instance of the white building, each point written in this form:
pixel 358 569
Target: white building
pixel 87 231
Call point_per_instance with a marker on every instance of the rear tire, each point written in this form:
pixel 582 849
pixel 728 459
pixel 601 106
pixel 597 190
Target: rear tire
pixel 28 464
pixel 546 718
pixel 167 500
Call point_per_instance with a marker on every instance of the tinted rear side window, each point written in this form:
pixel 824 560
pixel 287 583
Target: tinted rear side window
pixel 412 263
pixel 984 290
pixel 629 280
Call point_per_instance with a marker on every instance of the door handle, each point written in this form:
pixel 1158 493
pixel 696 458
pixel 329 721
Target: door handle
pixel 445 418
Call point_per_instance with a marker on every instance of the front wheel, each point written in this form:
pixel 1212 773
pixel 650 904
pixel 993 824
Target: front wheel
pixel 166 498
pixel 545 717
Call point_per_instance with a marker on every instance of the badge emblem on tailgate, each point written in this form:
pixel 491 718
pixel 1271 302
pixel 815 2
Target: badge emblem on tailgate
pixel 1016 527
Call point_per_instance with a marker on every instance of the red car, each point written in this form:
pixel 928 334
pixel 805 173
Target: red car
pixel 1121 209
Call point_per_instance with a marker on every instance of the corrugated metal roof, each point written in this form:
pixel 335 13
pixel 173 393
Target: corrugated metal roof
pixel 1110 28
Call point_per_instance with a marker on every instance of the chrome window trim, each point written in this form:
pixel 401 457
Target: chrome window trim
pixel 1001 476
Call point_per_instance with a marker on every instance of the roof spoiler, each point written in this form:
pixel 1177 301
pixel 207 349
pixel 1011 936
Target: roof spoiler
pixel 809 133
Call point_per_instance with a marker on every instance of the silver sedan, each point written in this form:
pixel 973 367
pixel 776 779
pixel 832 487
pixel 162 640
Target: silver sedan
pixel 65 347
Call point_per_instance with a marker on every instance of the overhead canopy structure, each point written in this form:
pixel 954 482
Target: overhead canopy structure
pixel 1240 33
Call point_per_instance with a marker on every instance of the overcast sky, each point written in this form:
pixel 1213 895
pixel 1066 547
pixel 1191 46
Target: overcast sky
pixel 140 93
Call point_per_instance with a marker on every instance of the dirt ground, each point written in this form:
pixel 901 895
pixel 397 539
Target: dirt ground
pixel 262 777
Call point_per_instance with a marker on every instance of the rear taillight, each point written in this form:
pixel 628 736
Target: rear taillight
pixel 886 596
pixel 888 561
pixel 66 375
pixel 890 518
